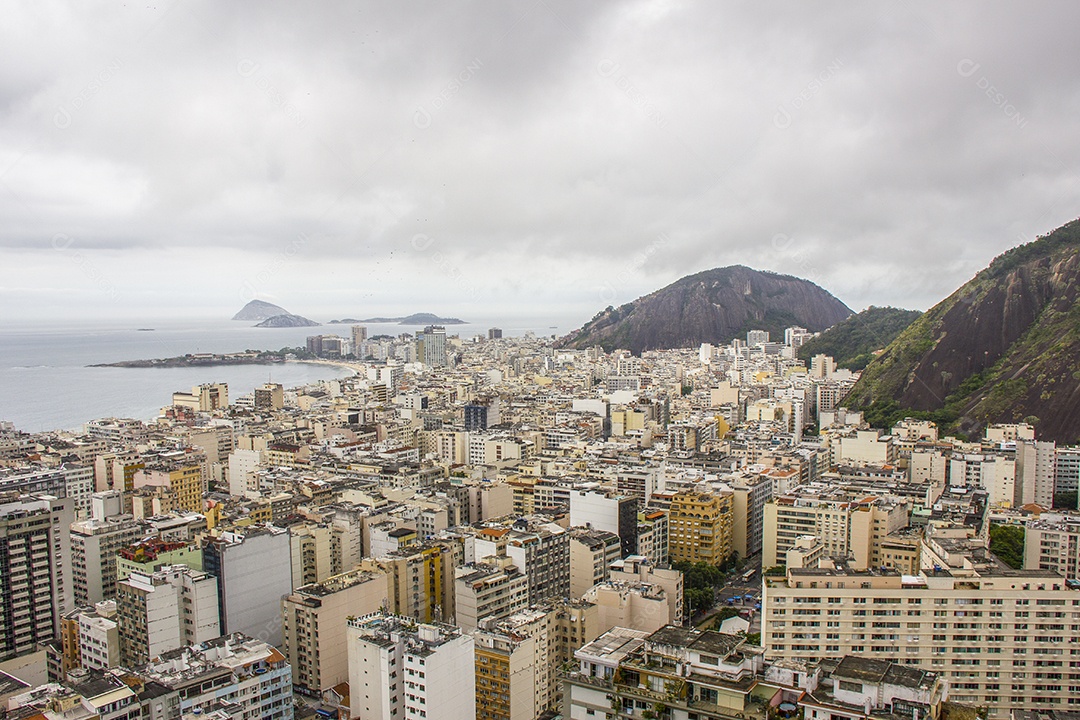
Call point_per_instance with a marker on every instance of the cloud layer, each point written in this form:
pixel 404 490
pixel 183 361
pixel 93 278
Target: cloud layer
pixel 552 157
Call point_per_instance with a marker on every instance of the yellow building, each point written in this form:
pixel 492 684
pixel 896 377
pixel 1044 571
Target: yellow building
pixel 185 480
pixel 421 584
pixel 700 527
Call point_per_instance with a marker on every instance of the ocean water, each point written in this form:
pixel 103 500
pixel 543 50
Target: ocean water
pixel 46 384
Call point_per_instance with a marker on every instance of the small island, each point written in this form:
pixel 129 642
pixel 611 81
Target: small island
pixel 414 319
pixel 287 320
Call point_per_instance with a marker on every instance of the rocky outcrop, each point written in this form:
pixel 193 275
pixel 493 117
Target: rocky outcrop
pixel 713 306
pixel 259 310
pixel 287 320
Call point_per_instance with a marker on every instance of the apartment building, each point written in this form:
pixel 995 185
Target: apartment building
pixel 591 554
pixel 1055 546
pixel 1008 639
pixel 700 527
pixel 250 675
pixel 488 592
pixel 254 571
pixel 166 610
pixel 35 570
pixel 515 665
pixel 399 669
pixel 94 547
pixel 313 623
pixel 848 527
pixel 421 581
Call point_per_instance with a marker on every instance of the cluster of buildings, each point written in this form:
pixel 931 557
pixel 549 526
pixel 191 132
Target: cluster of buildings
pixel 494 528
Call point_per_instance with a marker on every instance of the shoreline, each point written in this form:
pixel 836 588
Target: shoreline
pixel 354 367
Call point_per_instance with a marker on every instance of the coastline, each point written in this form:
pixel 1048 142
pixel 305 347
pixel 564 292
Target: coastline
pixel 355 367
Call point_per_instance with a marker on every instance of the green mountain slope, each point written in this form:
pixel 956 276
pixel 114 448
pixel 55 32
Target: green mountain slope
pixel 853 341
pixel 1002 348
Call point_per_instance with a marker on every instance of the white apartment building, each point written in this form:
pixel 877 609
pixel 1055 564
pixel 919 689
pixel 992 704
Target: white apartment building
pixel 232 668
pixel 401 670
pixel 484 593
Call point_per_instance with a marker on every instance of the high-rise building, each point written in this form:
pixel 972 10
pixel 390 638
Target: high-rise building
pixel 482 414
pixel 116 471
pixel 484 593
pixel 1035 472
pixel 269 397
pixel 313 623
pixel 399 669
pixel 757 337
pixel 607 511
pixel 359 337
pixel 750 493
pixel 495 333
pixel 184 477
pixel 431 346
pixel 35 570
pixel 1066 470
pixel 94 547
pixel 69 480
pixel 421 584
pixel 542 553
pixel 848 527
pixel 249 674
pixel 653 535
pixel 1050 545
pixel 1001 636
pixel 99 637
pixel 591 554
pixel 516 664
pixel 166 610
pixel 254 572
pixel 700 527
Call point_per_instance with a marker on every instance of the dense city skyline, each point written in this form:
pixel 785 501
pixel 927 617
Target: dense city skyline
pixel 551 158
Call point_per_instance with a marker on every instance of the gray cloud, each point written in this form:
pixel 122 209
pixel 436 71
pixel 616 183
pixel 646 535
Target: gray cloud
pixel 551 154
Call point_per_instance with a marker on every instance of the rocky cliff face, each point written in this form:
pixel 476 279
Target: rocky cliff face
pixel 1002 348
pixel 713 306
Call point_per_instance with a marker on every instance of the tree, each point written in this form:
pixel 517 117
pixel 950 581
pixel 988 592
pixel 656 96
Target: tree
pixel 1007 542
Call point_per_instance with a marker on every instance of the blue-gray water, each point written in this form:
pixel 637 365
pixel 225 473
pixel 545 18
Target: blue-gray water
pixel 45 383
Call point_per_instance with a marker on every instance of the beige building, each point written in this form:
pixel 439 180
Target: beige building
pixel 633 605
pixel 1003 638
pixel 1053 546
pixel 700 527
pixel 591 553
pixel 637 569
pixel 847 528
pixel 94 547
pixel 863 447
pixel 314 618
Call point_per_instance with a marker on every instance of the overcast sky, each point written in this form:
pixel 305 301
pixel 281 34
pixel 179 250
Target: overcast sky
pixel 537 159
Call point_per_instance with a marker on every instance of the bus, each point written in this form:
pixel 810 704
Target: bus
pixel 748 574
